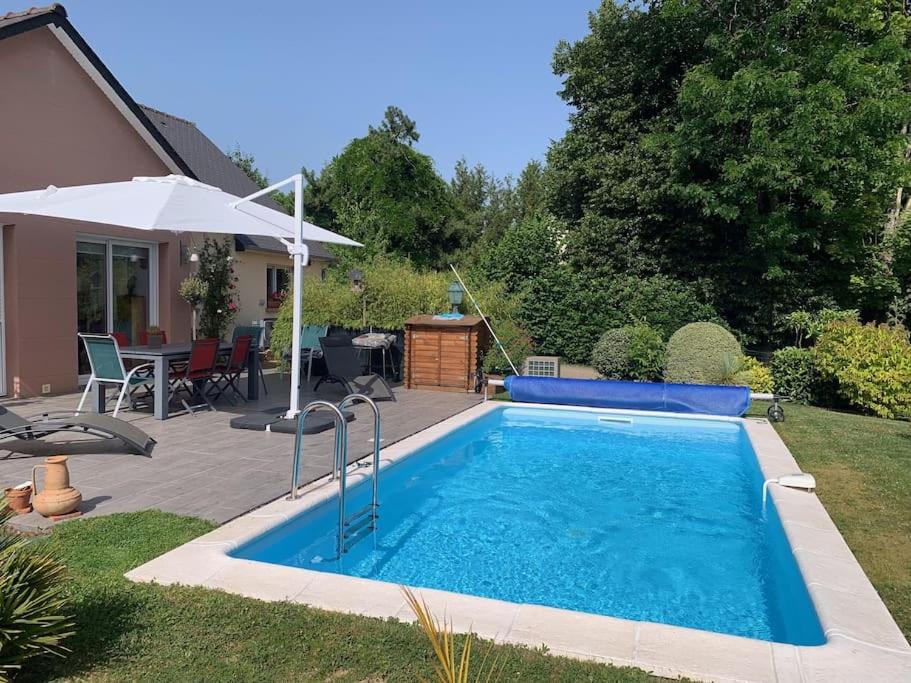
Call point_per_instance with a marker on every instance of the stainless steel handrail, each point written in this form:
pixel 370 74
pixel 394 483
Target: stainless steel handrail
pixel 341 441
pixel 354 398
pixel 340 461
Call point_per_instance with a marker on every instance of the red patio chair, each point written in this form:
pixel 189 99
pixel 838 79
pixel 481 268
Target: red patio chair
pixel 229 371
pixel 194 378
pixel 144 337
pixel 122 339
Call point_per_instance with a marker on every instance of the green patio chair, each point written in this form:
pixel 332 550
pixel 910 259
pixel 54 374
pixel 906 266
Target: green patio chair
pixel 310 336
pixel 256 332
pixel 107 368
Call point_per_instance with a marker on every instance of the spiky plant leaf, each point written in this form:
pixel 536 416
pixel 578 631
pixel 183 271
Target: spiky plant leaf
pixel 440 635
pixel 34 610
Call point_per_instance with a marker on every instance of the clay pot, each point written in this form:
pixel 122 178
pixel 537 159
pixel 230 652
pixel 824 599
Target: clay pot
pixel 18 500
pixel 57 497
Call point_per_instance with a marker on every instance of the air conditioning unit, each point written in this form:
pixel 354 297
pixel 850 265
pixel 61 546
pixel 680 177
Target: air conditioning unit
pixel 542 366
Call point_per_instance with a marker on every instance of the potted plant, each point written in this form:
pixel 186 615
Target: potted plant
pixel 155 337
pixel 19 498
pixel 193 290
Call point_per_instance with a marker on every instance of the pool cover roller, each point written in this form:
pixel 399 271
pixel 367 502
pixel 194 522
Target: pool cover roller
pixel 708 399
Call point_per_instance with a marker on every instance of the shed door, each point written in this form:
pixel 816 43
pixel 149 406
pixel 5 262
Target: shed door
pixel 425 356
pixel 454 358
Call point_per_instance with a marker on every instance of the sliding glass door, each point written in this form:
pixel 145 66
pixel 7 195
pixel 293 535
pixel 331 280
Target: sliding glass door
pixel 116 289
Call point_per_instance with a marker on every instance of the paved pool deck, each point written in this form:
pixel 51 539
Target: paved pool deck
pixel 200 466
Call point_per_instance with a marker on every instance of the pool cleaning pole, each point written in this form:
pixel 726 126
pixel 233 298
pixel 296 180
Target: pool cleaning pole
pixel 484 318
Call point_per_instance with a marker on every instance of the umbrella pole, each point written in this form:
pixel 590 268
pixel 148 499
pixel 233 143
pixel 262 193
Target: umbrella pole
pixel 300 255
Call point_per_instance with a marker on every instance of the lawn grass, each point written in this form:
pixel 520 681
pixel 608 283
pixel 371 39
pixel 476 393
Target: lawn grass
pixel 862 467
pixel 141 632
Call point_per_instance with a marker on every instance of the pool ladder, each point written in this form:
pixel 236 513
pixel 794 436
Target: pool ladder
pixel 350 527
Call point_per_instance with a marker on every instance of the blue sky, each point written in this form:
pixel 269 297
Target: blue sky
pixel 293 82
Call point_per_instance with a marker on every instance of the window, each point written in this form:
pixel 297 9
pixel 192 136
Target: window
pixel 116 289
pixel 278 281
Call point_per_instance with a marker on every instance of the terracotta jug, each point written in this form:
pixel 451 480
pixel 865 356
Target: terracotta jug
pixel 57 497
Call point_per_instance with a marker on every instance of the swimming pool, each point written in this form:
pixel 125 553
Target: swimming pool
pixel 640 517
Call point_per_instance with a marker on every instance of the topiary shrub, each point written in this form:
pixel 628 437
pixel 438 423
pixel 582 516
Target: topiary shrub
pixel 795 375
pixel 701 353
pixel 34 609
pixel 632 352
pixel 753 374
pixel 871 365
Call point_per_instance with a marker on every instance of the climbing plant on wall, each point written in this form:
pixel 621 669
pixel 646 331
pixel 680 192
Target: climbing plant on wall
pixel 219 305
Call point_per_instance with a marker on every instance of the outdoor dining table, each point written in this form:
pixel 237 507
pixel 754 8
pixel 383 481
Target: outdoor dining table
pixel 162 357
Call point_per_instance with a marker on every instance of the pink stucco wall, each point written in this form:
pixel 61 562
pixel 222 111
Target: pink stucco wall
pixel 57 127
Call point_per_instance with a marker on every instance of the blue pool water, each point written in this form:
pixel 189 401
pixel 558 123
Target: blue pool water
pixel 655 520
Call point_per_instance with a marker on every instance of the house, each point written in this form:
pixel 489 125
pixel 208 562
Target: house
pixel 261 264
pixel 66 120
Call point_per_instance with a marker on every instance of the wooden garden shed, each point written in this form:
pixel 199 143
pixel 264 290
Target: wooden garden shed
pixel 444 355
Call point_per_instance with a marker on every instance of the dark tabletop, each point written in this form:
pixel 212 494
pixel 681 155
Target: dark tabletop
pixel 164 349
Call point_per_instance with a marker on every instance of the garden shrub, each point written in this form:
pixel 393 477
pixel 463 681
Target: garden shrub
pixel 631 352
pixel 795 375
pixel 700 353
pixel 646 353
pixel 871 365
pixel 34 610
pixel 753 374
pixel 609 354
pixel 808 325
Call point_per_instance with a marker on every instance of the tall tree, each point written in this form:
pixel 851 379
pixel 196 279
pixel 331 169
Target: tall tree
pixel 398 126
pixel 758 144
pixel 246 162
pixel 385 194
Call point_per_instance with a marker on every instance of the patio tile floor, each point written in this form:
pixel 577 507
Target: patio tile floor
pixel 200 466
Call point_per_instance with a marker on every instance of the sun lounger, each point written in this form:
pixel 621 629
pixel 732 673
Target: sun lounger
pixel 37 427
pixel 344 367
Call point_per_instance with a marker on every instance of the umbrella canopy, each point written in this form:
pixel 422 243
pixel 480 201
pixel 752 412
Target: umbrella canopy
pixel 181 204
pixel 173 202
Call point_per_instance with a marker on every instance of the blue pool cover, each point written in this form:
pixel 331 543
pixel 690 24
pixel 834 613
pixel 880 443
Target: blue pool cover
pixel 707 399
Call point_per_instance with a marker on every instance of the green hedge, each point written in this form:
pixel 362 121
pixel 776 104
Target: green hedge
pixel 394 292
pixel 566 312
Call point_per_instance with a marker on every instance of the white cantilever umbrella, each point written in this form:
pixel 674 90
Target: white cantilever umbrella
pixel 182 204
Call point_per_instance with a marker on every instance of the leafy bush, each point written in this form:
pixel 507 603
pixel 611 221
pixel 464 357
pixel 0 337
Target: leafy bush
pixel 700 353
pixel 870 363
pixel 753 374
pixel 34 611
pixel 631 352
pixel 795 375
pixel 808 325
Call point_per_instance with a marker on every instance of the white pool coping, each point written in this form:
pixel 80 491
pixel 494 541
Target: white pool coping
pixel 863 640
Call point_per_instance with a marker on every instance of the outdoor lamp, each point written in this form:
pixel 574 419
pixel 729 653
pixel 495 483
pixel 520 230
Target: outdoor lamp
pixel 455 296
